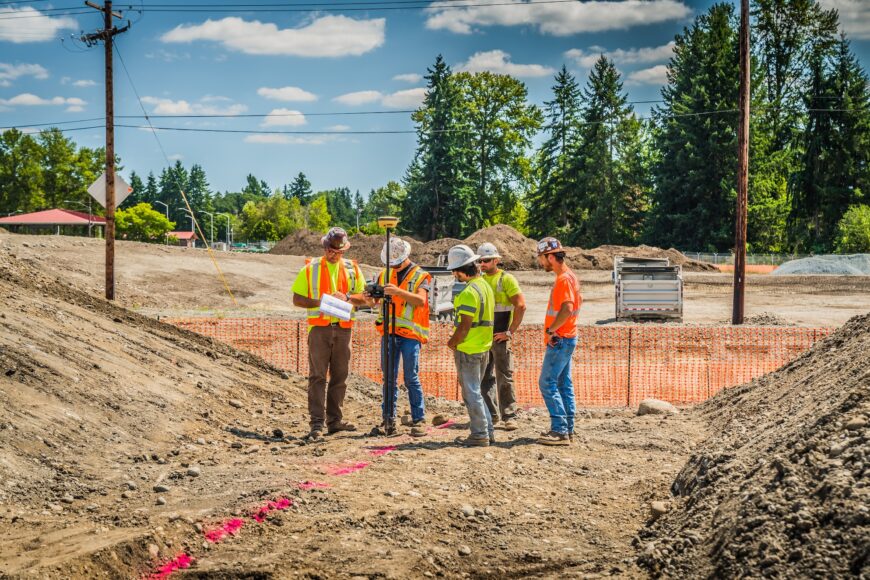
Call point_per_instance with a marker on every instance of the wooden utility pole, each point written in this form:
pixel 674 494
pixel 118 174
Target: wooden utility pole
pixel 106 35
pixel 742 171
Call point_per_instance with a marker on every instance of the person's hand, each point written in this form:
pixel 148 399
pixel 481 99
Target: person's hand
pixel 341 296
pixel 451 344
pixel 501 337
pixel 552 340
pixel 391 290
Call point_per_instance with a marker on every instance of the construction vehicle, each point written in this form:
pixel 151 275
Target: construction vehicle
pixel 648 289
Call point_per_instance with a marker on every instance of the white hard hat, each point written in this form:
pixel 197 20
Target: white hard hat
pixel 399 251
pixel 459 256
pixel 487 250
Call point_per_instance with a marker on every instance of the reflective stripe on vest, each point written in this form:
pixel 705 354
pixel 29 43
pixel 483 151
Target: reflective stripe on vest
pixel 319 279
pixel 478 312
pixel 408 317
pixel 499 288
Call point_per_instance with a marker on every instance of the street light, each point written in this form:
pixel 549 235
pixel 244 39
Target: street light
pixel 190 213
pixel 90 223
pixel 211 218
pixel 165 206
pixel 229 243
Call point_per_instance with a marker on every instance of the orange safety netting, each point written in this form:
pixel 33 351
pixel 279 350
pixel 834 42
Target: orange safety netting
pixel 613 366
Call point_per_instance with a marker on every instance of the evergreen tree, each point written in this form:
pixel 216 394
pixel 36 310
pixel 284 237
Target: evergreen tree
pixel 548 211
pixel 173 180
pixel 695 171
pixel 339 206
pixel 835 168
pixel 441 196
pixel 255 188
pixel 198 192
pixel 151 190
pixel 300 189
pixel 136 196
pixel 57 161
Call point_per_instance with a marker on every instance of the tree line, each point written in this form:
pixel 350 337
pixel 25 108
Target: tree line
pixel 601 174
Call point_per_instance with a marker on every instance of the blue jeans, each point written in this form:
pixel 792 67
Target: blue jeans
pixel 409 350
pixel 556 386
pixel 470 369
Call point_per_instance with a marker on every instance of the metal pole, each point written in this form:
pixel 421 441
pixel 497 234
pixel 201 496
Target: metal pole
pixel 110 156
pixel 742 171
pixel 388 370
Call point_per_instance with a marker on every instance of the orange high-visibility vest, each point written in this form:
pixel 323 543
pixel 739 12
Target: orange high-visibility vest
pixel 319 283
pixel 411 322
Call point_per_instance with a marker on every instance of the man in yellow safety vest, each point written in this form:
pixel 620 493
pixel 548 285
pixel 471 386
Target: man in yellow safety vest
pixel 409 287
pixel 328 336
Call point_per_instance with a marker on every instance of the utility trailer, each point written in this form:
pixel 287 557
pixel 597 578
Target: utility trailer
pixel 444 288
pixel 648 289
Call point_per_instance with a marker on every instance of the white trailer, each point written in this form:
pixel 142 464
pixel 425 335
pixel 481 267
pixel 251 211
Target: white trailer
pixel 648 289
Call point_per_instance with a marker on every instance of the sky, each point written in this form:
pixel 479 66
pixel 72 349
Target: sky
pixel 327 86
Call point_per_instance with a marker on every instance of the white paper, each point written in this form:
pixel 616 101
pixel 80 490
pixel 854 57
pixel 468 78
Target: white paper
pixel 330 306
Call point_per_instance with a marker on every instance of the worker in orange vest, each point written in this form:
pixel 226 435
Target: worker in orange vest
pixel 560 327
pixel 328 336
pixel 409 287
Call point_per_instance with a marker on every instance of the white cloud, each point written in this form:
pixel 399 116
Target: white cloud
pixel 854 16
pixel 176 157
pixel 338 128
pixel 203 107
pixel 408 78
pixel 562 19
pixel 647 55
pixel 284 117
pixel 167 55
pixel 84 83
pixel 657 75
pixel 75 109
pixel 359 98
pixel 407 99
pixel 289 139
pixel 327 36
pixel 11 72
pixel 25 24
pixel 287 94
pixel 498 61
pixel 31 100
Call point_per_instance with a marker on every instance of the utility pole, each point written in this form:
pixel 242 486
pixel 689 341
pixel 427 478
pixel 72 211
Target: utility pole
pixel 106 35
pixel 742 171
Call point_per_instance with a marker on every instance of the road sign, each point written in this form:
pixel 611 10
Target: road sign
pixel 98 190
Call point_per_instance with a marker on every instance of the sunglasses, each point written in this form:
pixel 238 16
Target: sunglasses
pixel 334 251
pixel 485 260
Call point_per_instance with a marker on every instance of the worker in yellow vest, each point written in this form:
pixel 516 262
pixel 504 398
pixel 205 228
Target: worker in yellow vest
pixel 328 336
pixel 475 310
pixel 409 287
pixel 510 306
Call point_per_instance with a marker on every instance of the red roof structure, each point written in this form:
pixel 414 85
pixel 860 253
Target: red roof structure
pixel 182 235
pixel 53 217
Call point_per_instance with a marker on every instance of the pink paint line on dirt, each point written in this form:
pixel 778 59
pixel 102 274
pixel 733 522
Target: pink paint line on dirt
pixel 381 451
pixel 449 423
pixel 166 569
pixel 228 528
pixel 281 503
pixel 346 469
pixel 309 485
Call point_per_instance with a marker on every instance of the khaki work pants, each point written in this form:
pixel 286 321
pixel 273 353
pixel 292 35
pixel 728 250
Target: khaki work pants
pixel 497 386
pixel 328 354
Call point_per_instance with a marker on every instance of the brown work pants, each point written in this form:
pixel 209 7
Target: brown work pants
pixel 497 386
pixel 328 353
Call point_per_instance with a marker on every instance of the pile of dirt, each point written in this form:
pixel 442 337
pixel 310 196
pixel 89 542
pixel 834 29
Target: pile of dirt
pixel 518 252
pixel 850 265
pixel 780 488
pixel 761 319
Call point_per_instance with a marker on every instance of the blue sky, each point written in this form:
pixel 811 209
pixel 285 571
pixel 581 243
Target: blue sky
pixel 300 68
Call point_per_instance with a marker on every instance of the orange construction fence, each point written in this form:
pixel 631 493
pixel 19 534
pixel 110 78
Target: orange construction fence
pixel 613 366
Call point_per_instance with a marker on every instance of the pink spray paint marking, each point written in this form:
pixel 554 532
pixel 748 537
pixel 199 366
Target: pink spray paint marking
pixel 281 503
pixel 381 451
pixel 166 569
pixel 449 423
pixel 309 485
pixel 228 528
pixel 346 469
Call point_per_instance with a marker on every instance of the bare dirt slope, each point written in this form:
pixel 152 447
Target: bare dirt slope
pixel 172 281
pixel 781 487
pixel 100 407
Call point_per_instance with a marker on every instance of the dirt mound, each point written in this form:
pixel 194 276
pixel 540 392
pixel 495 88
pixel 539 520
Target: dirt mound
pixel 300 243
pixel 781 487
pixel 852 265
pixel 517 251
pixel 601 258
pixel 762 319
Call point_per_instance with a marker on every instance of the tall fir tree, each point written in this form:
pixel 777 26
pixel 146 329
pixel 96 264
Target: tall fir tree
pixel 549 213
pixel 441 196
pixel 300 188
pixel 136 196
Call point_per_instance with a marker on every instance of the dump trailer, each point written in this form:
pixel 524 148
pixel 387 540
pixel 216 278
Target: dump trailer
pixel 648 289
pixel 444 288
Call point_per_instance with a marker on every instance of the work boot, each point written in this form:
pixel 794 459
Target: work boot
pixel 418 428
pixel 509 425
pixel 472 441
pixel 339 427
pixel 554 438
pixel 315 434
pixel 385 429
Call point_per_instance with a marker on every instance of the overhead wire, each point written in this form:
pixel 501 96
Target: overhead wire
pixel 169 164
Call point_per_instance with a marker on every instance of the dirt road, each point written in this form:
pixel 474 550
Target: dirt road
pixel 170 281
